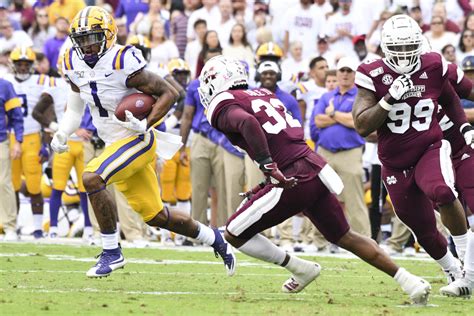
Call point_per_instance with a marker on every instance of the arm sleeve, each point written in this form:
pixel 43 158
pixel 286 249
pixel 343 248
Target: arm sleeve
pixel 234 119
pixel 452 106
pixel 294 109
pixel 73 115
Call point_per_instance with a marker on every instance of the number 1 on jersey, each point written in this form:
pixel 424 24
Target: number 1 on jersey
pixel 95 96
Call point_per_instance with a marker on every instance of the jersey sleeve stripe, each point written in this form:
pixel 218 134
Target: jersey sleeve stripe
pixel 41 79
pixel 12 103
pixel 52 82
pixel 68 59
pixel 122 57
pixel 445 65
pixel 364 81
pixel 302 88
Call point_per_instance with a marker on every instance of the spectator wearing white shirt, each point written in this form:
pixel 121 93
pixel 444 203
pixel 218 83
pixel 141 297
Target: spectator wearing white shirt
pixel 12 38
pixel 193 48
pixel 209 12
pixel 438 36
pixel 41 30
pixel 143 21
pixel 340 29
pixel 324 6
pixel 260 27
pixel 295 63
pixel 226 23
pixel 323 50
pixel 278 20
pixel 466 45
pixel 162 49
pixel 238 47
pixel 304 24
pixel 361 50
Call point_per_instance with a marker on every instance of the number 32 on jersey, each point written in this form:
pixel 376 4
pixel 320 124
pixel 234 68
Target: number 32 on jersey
pixel 400 115
pixel 282 120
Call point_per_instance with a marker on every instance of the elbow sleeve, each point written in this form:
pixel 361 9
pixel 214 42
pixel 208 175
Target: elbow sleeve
pixel 73 115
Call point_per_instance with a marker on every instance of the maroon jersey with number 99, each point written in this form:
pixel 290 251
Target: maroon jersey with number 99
pixel 411 126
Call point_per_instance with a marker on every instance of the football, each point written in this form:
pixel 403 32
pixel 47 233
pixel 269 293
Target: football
pixel 139 104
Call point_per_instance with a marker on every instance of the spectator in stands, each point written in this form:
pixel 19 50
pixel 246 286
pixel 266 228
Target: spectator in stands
pixel 64 8
pixel 374 37
pixel 226 23
pixel 330 82
pixel 466 45
pixel 303 23
pixel 260 21
pixel 178 27
pixel 53 45
pixel 144 20
pixel 439 10
pixel 438 36
pixel 341 28
pixel 41 30
pixel 295 63
pixel 469 22
pixel 130 9
pixel 449 53
pixel 12 38
pixel 162 49
pixel 340 144
pixel 239 48
pixel 43 66
pixel 5 14
pixel 361 49
pixel 211 44
pixel 209 12
pixel 195 47
pixel 322 49
pixel 468 105
pixel 324 6
pixel 122 32
pixel 25 12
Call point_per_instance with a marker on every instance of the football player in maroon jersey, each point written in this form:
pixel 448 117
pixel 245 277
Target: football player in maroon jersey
pixel 298 179
pixel 398 97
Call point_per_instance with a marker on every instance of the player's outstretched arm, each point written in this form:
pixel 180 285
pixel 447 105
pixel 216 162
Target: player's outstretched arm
pixel 74 111
pixel 367 112
pixel 152 84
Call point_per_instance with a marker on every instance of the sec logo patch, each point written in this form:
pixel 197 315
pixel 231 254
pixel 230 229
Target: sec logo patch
pixel 387 79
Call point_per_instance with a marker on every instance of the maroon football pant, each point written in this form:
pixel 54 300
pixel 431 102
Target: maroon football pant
pixel 413 190
pixel 463 163
pixel 270 206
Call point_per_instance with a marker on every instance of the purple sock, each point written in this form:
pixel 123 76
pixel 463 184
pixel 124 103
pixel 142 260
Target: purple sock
pixel 54 205
pixel 85 209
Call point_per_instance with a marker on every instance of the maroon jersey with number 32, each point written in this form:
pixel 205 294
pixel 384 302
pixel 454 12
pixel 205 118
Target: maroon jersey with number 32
pixel 284 134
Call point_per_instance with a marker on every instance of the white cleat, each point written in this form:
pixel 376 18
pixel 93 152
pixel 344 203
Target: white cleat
pixel 454 273
pixel 459 288
pixel 418 290
pixel 298 282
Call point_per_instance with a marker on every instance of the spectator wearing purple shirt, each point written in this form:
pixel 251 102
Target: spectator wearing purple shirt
pixel 130 8
pixel 53 45
pixel 340 144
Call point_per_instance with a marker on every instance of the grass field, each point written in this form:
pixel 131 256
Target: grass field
pixel 50 280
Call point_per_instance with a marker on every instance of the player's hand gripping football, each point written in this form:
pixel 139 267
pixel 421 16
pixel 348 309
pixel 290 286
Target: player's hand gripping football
pixel 467 130
pixel 59 142
pixel 132 123
pixel 400 86
pixel 276 177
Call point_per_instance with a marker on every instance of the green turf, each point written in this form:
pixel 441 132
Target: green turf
pixel 49 282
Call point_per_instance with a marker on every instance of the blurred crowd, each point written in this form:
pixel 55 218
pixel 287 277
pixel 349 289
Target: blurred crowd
pixel 305 51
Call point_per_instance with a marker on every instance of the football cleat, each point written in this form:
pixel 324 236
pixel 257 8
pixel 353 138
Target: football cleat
pixel 109 260
pixel 418 289
pixel 454 273
pixel 298 282
pixel 459 288
pixel 224 250
pixel 38 234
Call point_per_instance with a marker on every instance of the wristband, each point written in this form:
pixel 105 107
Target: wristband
pixel 463 126
pixel 385 105
pixel 53 126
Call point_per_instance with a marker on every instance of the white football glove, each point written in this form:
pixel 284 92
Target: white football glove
pixel 467 130
pixel 400 86
pixel 59 142
pixel 132 123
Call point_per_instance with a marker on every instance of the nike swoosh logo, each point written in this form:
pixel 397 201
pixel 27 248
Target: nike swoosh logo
pixel 107 75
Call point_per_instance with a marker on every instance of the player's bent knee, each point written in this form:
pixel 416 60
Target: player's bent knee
pixel 444 195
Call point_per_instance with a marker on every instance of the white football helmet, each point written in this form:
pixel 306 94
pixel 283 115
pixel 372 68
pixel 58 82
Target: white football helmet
pixel 401 43
pixel 220 74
